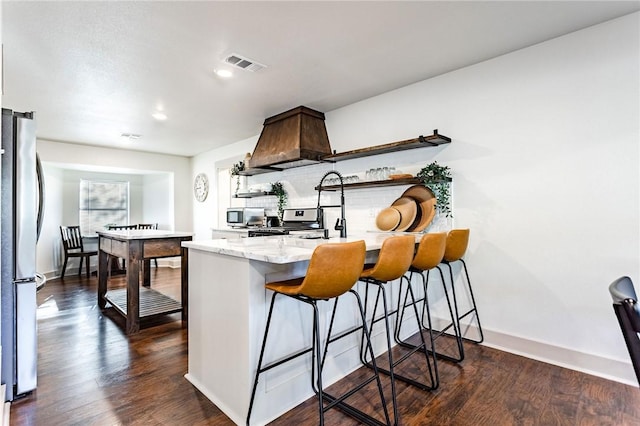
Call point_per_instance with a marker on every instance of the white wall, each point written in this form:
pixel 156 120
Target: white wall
pixel 153 178
pixel 157 200
pixel 205 214
pixel 545 160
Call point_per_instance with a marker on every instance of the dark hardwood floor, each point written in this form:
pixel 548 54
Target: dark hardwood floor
pixel 90 373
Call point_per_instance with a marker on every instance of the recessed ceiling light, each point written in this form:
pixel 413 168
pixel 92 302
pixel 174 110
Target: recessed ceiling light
pixel 223 73
pixel 160 116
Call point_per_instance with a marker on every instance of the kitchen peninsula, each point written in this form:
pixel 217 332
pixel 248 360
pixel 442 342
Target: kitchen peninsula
pixel 227 314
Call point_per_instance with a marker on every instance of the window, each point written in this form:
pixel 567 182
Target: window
pixel 103 203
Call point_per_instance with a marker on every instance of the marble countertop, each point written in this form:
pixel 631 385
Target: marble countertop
pixel 230 229
pixel 283 248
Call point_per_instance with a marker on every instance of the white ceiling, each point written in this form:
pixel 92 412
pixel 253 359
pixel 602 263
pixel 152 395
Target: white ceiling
pixel 95 70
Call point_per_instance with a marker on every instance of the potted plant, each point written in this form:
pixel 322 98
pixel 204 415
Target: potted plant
pixel 278 190
pixel 438 179
pixel 235 171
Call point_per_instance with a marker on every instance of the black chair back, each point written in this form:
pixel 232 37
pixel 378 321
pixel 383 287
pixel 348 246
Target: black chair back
pixel 625 305
pixel 71 238
pixel 147 226
pixel 121 227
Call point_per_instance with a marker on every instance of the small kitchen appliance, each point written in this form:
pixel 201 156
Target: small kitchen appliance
pixel 242 217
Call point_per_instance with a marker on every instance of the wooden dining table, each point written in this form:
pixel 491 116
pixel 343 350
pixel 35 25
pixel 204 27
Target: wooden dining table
pixel 138 247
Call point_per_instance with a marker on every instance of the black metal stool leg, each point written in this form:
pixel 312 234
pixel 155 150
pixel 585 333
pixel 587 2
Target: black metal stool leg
pixel 473 310
pixel 426 312
pixel 317 361
pixel 259 368
pixel 434 381
pixel 433 374
pixel 338 402
pixel 473 301
pixel 363 357
pixel 442 331
pixel 390 372
pixel 454 322
pixel 325 401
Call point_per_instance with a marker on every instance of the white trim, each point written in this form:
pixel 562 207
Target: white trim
pixel 596 365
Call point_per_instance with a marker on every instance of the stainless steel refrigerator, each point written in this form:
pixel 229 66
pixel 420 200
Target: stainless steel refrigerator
pixel 19 232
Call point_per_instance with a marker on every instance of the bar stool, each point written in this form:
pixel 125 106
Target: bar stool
pixel 457 242
pixel 428 256
pixel 394 259
pixel 333 270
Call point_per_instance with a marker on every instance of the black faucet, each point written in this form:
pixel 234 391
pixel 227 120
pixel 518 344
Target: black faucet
pixel 341 223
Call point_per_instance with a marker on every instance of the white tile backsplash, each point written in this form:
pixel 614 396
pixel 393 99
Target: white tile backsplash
pixel 362 204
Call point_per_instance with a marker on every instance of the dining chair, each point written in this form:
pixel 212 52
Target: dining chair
pixel 121 227
pixel 74 247
pixel 147 226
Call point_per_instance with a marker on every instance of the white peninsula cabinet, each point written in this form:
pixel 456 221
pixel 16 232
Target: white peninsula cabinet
pixel 228 306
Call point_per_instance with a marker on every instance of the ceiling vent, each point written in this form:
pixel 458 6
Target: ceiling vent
pixel 244 63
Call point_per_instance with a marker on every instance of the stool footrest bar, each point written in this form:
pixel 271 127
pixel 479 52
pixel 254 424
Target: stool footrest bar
pixel 406 379
pixel 352 411
pixel 283 360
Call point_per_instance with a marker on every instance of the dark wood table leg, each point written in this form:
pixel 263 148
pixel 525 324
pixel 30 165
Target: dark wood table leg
pixel 133 288
pixel 102 278
pixel 146 272
pixel 184 283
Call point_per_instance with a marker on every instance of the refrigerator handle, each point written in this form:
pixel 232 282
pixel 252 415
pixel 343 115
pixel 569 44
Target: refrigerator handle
pixel 40 179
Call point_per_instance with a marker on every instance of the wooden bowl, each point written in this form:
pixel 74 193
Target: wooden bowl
pixel 388 219
pixel 408 209
pixel 426 201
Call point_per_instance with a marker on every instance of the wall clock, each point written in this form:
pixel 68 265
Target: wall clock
pixel 201 187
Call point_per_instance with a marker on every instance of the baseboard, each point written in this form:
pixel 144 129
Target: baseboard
pixel 595 365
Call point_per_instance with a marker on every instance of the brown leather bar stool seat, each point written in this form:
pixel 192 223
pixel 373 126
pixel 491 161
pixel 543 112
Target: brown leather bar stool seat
pixel 394 260
pixel 457 243
pixel 333 270
pixel 427 258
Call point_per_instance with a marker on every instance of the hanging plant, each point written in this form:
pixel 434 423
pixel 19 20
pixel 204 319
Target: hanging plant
pixel 438 179
pixel 237 168
pixel 235 171
pixel 278 190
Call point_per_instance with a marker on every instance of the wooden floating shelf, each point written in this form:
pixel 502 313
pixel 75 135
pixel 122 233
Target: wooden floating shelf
pixel 259 170
pixel 253 194
pixel 375 184
pixel 419 142
pixel 372 184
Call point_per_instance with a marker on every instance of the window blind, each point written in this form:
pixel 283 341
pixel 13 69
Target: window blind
pixel 101 204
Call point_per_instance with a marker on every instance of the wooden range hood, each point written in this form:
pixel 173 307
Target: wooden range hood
pixel 294 138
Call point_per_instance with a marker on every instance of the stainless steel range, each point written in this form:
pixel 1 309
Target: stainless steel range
pixel 295 221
